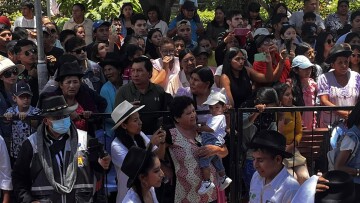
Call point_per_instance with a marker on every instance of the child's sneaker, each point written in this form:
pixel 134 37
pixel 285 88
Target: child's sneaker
pixel 224 182
pixel 206 186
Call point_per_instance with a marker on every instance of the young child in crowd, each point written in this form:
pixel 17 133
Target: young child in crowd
pixel 290 125
pixel 254 122
pixel 20 129
pixel 213 133
pixel 304 87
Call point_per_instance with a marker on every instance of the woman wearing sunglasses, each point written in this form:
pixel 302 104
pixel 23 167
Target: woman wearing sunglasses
pixel 8 78
pixel 324 42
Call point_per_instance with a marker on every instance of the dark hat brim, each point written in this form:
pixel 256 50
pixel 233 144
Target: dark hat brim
pixel 331 58
pixel 131 180
pixel 23 92
pixel 114 63
pixel 66 111
pixel 283 153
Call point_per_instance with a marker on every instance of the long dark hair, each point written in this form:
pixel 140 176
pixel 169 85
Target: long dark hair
pixel 121 16
pixel 150 48
pixel 296 85
pixel 319 46
pixel 149 163
pixel 216 24
pixel 231 53
pixel 127 140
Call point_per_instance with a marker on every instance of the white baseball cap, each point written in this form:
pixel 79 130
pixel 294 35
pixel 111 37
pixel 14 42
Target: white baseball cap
pixel 216 97
pixel 302 62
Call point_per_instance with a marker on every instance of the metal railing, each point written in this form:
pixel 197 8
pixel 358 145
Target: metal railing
pixel 236 122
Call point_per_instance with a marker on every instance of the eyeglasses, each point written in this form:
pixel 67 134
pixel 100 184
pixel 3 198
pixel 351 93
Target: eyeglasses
pixel 79 50
pixel 30 51
pixel 329 41
pixel 8 73
pixel 354 55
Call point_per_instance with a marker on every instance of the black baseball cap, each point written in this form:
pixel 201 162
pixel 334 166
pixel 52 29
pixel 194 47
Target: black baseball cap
pixel 22 87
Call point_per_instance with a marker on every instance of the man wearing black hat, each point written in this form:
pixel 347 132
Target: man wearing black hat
pixel 55 164
pixel 271 182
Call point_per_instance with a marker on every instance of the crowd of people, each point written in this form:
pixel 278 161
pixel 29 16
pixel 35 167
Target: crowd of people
pixel 136 64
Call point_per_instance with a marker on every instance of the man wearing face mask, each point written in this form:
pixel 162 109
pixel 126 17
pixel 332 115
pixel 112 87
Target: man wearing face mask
pixel 54 163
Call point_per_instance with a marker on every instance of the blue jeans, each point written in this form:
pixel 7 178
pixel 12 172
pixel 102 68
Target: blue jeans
pixel 209 139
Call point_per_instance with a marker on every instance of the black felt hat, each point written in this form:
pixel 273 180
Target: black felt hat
pixel 133 163
pixel 341 188
pixel 112 59
pixel 270 139
pixel 69 69
pixel 55 106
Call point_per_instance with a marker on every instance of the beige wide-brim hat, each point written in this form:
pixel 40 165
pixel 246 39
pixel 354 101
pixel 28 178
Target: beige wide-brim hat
pixel 6 64
pixel 122 112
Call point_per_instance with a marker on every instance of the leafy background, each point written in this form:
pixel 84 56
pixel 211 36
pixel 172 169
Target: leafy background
pixel 106 9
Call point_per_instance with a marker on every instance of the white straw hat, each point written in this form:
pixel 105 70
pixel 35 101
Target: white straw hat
pixel 6 64
pixel 122 112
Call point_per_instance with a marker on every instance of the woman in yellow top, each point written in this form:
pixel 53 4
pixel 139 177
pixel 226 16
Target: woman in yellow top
pixel 289 124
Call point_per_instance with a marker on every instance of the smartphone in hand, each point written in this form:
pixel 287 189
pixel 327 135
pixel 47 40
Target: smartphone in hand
pixel 241 31
pixel 260 57
pixel 288 45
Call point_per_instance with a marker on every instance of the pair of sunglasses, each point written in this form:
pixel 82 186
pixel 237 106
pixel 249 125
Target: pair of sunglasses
pixel 78 51
pixel 30 51
pixel 8 73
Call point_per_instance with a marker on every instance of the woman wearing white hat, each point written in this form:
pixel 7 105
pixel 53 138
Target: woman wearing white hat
pixel 8 77
pixel 128 134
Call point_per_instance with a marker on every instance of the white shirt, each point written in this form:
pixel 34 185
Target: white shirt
pixel 162 25
pixel 118 153
pixel 132 196
pixel 88 25
pixel 280 190
pixel 5 168
pixel 218 124
pixel 297 20
pixel 26 23
pixel 172 81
